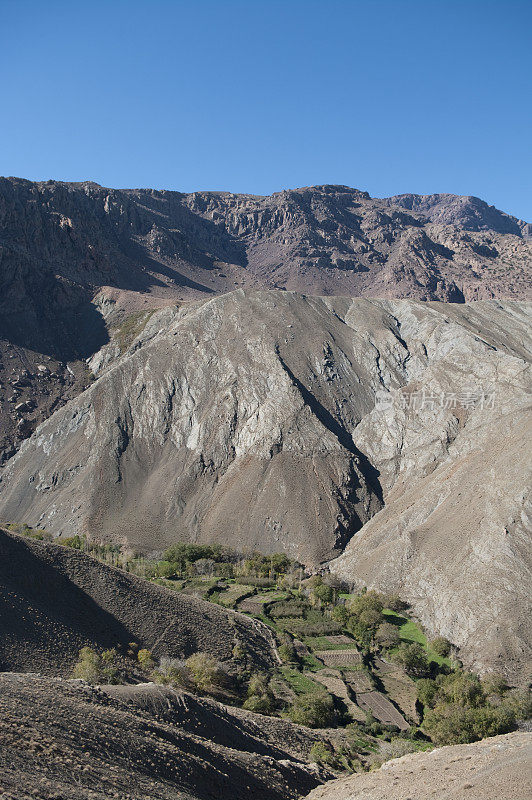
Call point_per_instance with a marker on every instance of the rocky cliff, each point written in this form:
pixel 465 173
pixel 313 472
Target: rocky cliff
pixel 394 430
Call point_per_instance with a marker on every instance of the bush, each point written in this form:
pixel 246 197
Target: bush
pixel 315 710
pixel 262 704
pixel 173 672
pixel 95 668
pixel 145 659
pixel 322 753
pixel 495 684
pixel 288 653
pixel 462 688
pixel 427 691
pixel 258 684
pixel 88 666
pixel 454 724
pixel 340 615
pixel 75 542
pixel 441 646
pixel 205 672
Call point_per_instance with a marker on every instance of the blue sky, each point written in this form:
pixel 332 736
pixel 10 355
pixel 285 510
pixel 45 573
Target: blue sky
pixel 387 96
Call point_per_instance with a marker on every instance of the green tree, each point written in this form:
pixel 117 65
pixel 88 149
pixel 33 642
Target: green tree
pixel 455 724
pixel 323 593
pixel 387 635
pixel 414 659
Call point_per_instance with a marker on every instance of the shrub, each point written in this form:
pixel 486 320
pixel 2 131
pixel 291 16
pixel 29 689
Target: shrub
pixel 95 668
pixel 258 684
pixel 463 688
pixel 239 651
pixel 441 646
pixel 145 659
pixel 260 704
pixel 205 671
pixel 322 753
pixel 495 684
pixel 88 666
pixel 75 542
pixel 166 569
pixel 315 710
pixel 171 671
pixel 288 653
pixel 340 615
pixel 427 691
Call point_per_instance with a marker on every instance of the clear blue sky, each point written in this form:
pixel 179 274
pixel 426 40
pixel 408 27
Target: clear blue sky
pixel 389 96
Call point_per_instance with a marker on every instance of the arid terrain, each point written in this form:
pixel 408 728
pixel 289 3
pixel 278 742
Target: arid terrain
pixel 500 768
pixel 391 433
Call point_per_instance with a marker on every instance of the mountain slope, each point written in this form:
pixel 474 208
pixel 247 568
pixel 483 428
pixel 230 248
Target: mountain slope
pixel 269 420
pixel 66 739
pixel 56 600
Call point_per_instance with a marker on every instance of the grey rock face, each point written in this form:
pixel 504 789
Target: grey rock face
pixel 395 430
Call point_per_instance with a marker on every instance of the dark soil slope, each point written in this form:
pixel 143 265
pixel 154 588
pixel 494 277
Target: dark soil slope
pixel 54 600
pixel 62 739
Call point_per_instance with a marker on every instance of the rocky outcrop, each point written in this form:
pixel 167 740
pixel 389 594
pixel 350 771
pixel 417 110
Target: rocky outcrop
pixel 394 430
pixel 493 768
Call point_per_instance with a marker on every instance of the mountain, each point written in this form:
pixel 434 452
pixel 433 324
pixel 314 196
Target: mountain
pixel 74 258
pixel 387 435
pixel 497 767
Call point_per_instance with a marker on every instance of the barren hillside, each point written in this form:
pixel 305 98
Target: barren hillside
pixel 56 600
pixel 65 739
pixel 494 768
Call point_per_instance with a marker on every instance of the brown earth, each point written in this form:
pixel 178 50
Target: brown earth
pixel 499 768
pixel 55 600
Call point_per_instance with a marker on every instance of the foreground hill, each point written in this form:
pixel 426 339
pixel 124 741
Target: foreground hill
pixel 56 600
pixel 75 256
pixel 275 421
pixel 493 768
pixel 65 739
